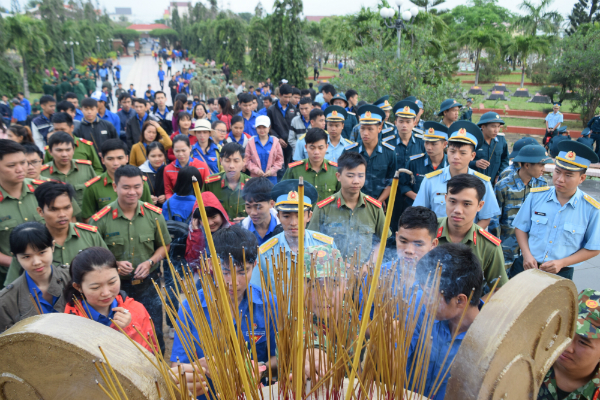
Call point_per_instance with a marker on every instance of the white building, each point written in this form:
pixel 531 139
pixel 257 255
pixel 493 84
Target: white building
pixel 121 14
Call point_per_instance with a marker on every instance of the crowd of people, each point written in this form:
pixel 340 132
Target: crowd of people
pixel 91 201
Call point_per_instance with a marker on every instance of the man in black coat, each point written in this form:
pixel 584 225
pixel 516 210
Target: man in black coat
pixel 93 128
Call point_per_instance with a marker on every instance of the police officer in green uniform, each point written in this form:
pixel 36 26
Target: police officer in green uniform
pixel 55 206
pixel 64 168
pixel 353 219
pixel 315 169
pixel 99 191
pixel 129 228
pixel 469 189
pixel 17 201
pixel 381 157
pixel 48 88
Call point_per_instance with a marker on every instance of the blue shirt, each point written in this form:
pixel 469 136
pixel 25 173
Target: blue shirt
pixel 79 115
pixel 125 116
pixel 113 118
pixel 281 108
pixel 103 72
pixel 270 229
pixel 210 157
pixel 34 290
pixel 553 119
pixel 26 105
pixel 19 113
pixel 96 316
pixel 169 63
pixel 332 153
pixel 161 75
pixel 432 195
pixel 260 314
pixel 262 111
pixel 556 231
pixel 180 207
pixel 263 154
pixel 131 92
pixel 141 121
pixel 249 123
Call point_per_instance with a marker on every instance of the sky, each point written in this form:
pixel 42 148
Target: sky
pixel 148 10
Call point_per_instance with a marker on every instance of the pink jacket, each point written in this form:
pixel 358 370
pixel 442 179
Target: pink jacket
pixel 274 163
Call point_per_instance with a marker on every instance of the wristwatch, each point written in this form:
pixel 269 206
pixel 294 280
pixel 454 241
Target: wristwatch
pixel 151 261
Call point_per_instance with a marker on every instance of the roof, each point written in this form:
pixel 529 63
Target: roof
pixel 147 27
pixel 180 4
pixel 123 10
pixel 315 18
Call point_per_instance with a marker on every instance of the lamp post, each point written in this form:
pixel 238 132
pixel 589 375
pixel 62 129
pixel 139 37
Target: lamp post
pixel 98 41
pixel 388 13
pixel 71 43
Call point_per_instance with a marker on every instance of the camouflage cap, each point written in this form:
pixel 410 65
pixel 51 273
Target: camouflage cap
pixel 588 317
pixel 326 260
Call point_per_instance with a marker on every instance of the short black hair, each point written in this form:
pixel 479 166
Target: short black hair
pixel 460 145
pixel 9 147
pixel 245 98
pixel 183 184
pixel 305 92
pixel 305 100
pixel 418 217
pixel 461 271
pixel 285 89
pixel 47 192
pixel 112 145
pixel 64 105
pixel 210 101
pixel 124 96
pixel 316 104
pixel 181 138
pixel 268 98
pixel 295 90
pixel 351 93
pixel 235 119
pixel 60 137
pixel 159 92
pixel 315 113
pixel 127 171
pixel 31 148
pixel 32 234
pixel 350 160
pixel 313 135
pixel 140 100
pixel 257 190
pixel 47 99
pixel 230 149
pixel 62 118
pixel 237 242
pixel 69 95
pixel 329 89
pixel 183 115
pixel 460 182
pixel 88 102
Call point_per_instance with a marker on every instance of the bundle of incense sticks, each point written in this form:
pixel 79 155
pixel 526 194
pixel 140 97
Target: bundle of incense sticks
pixel 348 327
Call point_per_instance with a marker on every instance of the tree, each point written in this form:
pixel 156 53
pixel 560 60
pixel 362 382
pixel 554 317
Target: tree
pixel 164 35
pixel 289 61
pixel 231 45
pixel 583 13
pixel 538 18
pixel 126 35
pixel 428 4
pixel 524 46
pixel 258 42
pixel 176 21
pixel 478 39
pixel 258 10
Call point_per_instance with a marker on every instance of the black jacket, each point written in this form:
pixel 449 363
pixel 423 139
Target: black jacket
pixel 133 131
pixel 98 132
pixel 280 125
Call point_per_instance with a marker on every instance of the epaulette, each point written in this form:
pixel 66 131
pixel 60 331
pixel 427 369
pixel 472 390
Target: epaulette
pixel 301 136
pixel 351 113
pixel 418 136
pixel 591 201
pixel 348 141
pixel 44 167
pixel 539 189
pixel 213 178
pixel 386 130
pixel 351 146
pixel 92 181
pixel 490 237
pixel 88 162
pixel 7 289
pixel 434 173
pixel 416 156
pixel 322 238
pixel 440 232
pixel 373 201
pixel 101 213
pixel 88 142
pixel 384 140
pixel 332 163
pixel 38 181
pixel 295 164
pixel 323 203
pixel 418 130
pixel 152 207
pixel 482 176
pixel 267 245
pixel 389 146
pixel 87 227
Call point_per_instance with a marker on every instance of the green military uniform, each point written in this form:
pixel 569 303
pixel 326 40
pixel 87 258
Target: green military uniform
pixel 324 180
pixel 485 246
pixel 65 87
pixel 80 236
pixel 79 89
pixel 81 171
pixel 231 96
pixel 90 84
pixel 84 150
pixel 99 193
pixel 222 88
pixel 588 326
pixel 350 228
pixel 13 212
pixel 231 200
pixel 213 90
pixel 196 86
pixel 48 88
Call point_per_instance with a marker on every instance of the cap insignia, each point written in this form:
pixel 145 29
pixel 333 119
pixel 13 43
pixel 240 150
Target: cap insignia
pixel 462 132
pixel 570 156
pixel 293 195
pixel 368 114
pixel 406 109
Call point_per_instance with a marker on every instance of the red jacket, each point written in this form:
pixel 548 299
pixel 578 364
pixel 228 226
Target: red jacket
pixel 139 318
pixel 193 140
pixel 196 240
pixel 226 119
pixel 171 171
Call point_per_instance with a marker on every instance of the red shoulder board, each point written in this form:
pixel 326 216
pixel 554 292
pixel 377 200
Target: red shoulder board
pixel 332 163
pixel 44 167
pixel 295 164
pixel 115 213
pixel 323 203
pixel 31 188
pixel 88 142
pixel 490 237
pixel 144 178
pixel 38 181
pixel 440 232
pixel 87 227
pixel 373 201
pixel 92 181
pixel 153 208
pixel 101 213
pixel 88 162
pixel 213 178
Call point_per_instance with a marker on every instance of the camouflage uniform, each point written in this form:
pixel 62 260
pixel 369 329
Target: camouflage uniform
pixel 588 325
pixel 231 95
pixel 196 86
pixel 213 90
pixel 511 193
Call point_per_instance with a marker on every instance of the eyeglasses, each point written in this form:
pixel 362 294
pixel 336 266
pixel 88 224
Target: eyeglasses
pixel 34 163
pixel 221 130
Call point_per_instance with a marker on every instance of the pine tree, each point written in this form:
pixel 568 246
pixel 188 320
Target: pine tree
pixel 258 42
pixel 176 21
pixel 583 12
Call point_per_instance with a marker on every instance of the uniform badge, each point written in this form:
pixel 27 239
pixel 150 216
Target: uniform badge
pixel 406 109
pixel 571 156
pixel 368 114
pixel 497 117
pixel 591 303
pixel 293 195
pixel 334 113
pixel 431 131
pixel 462 132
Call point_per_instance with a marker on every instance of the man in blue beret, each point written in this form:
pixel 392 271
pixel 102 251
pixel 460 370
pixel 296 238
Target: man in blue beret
pixel 558 227
pixel 449 110
pixel 519 144
pixel 563 134
pixel 586 139
pixel 492 156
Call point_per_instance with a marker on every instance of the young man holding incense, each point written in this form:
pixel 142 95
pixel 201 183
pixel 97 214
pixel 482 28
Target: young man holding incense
pixel 239 244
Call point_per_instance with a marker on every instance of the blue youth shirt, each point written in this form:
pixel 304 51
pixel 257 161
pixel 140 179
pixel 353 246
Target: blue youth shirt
pixel 209 157
pixel 271 228
pixel 19 113
pixel 249 123
pixel 179 208
pixel 161 75
pixel 263 154
pixel 96 316
pixel 35 291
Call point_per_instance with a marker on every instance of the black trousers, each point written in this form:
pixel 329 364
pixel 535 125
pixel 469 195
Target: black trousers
pixel 146 294
pixel 517 268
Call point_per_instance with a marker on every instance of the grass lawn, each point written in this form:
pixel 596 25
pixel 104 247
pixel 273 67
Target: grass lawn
pixel 532 123
pixel 324 72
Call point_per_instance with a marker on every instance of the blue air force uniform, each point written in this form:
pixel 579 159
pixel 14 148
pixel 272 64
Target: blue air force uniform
pixel 496 152
pixel 586 139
